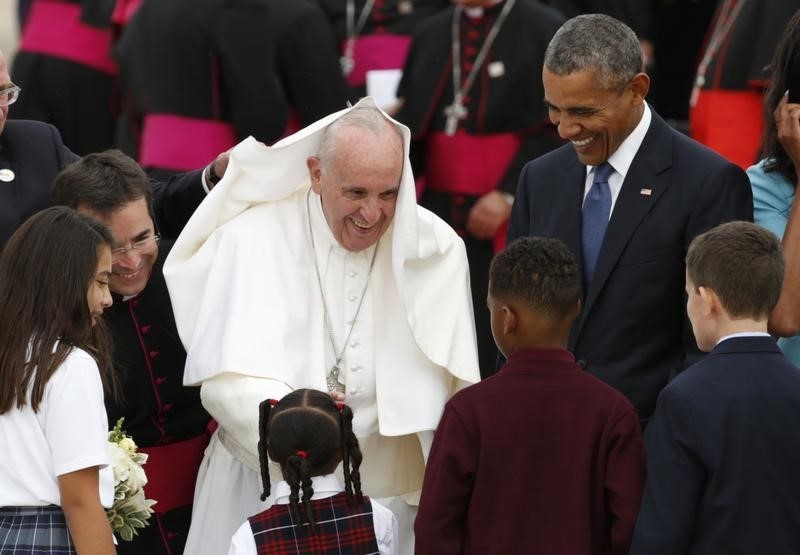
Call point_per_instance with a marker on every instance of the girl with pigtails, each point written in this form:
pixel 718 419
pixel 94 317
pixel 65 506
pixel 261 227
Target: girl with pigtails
pixel 308 435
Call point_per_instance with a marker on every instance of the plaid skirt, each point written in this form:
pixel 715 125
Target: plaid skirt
pixel 34 531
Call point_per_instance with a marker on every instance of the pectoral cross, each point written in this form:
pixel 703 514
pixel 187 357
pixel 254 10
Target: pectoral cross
pixel 454 112
pixel 347 60
pixel 346 63
pixel 333 382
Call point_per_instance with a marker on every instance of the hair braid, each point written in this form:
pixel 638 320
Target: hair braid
pixel 292 477
pixel 308 492
pixel 355 456
pixel 345 424
pixel 264 409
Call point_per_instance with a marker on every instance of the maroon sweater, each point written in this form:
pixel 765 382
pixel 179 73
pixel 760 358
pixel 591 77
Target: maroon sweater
pixel 540 458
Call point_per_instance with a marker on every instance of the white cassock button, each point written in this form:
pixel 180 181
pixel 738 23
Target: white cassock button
pixel 356 368
pixel 352 298
pixel 354 344
pixel 352 274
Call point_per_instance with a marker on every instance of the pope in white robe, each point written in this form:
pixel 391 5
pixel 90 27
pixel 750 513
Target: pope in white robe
pixel 308 252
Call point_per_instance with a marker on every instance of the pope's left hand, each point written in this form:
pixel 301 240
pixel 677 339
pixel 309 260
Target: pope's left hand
pixel 488 214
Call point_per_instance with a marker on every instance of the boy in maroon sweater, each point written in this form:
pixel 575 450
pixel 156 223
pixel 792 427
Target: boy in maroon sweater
pixel 542 457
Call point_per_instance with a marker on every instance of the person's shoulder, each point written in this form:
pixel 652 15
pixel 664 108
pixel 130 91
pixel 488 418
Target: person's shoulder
pixel 555 160
pixel 24 129
pixel 772 183
pixel 79 365
pixel 691 152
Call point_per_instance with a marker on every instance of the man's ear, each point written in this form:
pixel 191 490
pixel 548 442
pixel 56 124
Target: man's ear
pixel 640 86
pixel 314 172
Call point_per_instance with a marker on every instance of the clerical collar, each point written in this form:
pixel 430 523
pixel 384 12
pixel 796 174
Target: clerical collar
pixel 478 11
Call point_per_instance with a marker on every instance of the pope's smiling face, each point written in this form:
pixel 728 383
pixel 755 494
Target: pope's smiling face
pixel 359 183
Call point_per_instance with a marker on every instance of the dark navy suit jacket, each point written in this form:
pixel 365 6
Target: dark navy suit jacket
pixel 35 153
pixel 633 332
pixel 723 457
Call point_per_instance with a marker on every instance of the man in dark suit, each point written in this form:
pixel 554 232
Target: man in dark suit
pixel 627 195
pixel 32 154
pixel 722 453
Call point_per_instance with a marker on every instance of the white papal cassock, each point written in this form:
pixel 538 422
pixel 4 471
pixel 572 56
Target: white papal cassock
pixel 249 311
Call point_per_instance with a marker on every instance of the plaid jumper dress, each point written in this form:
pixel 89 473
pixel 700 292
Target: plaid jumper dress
pixel 341 529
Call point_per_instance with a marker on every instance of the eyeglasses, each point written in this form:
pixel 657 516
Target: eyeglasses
pixel 143 246
pixel 9 95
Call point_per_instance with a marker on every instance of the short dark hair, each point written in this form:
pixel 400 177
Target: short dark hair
pixel 540 272
pixel 743 263
pixel 103 181
pixel 597 42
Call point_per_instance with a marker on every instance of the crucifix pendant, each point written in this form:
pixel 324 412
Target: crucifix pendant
pixel 346 62
pixel 454 112
pixel 333 381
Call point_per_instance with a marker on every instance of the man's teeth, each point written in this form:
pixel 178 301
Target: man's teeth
pixel 361 225
pixel 127 275
pixel 583 142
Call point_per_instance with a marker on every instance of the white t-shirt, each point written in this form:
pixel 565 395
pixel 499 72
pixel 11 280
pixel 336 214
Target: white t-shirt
pixel 383 521
pixel 68 433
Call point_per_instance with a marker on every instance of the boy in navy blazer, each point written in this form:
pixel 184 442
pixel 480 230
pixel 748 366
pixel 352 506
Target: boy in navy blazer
pixel 722 448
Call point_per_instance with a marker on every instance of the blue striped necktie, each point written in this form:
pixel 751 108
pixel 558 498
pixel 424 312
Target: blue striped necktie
pixel 596 210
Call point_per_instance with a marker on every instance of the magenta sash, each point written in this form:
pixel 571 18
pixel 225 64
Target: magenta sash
pixel 124 10
pixel 468 164
pixel 379 51
pixel 54 28
pixel 179 143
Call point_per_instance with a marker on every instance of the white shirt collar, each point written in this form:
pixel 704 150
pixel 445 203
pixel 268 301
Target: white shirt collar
pixel 743 334
pixel 622 158
pixel 324 487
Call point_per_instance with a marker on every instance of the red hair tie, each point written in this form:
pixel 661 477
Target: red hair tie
pixel 302 454
pixel 272 402
pixel 340 406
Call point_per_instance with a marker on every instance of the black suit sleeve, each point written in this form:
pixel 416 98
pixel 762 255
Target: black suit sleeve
pixel 518 221
pixel 675 477
pixel 175 201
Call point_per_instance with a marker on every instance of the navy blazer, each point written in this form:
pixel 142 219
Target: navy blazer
pixel 35 153
pixel 723 457
pixel 633 332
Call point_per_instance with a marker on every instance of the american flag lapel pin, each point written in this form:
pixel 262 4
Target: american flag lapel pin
pixel 646 191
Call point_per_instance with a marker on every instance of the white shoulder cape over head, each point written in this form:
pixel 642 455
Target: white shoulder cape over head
pixel 246 301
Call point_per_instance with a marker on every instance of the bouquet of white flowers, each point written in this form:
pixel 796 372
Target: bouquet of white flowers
pixel 130 509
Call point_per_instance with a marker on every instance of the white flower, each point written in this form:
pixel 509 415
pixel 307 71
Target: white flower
pixel 128 444
pixel 130 509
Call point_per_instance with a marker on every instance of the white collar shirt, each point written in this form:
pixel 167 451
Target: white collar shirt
pixel 621 159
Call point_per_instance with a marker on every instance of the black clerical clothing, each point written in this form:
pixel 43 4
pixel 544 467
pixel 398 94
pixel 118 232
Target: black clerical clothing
pixel 65 69
pixel 198 77
pixel 159 411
